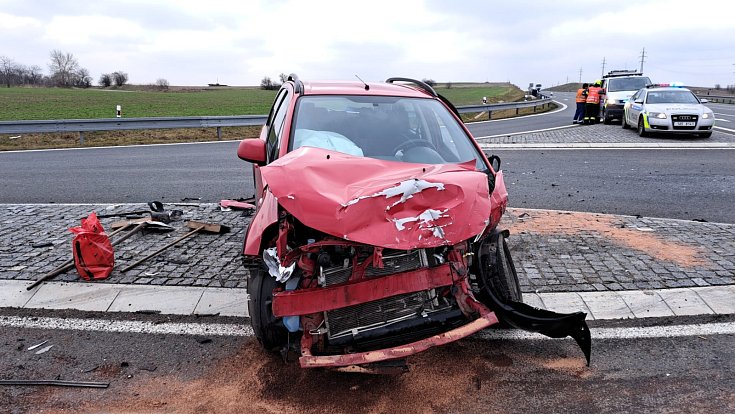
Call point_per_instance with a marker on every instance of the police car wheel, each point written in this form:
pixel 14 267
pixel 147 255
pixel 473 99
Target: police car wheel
pixel 641 129
pixel 625 123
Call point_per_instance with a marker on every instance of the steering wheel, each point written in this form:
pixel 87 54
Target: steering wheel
pixel 410 143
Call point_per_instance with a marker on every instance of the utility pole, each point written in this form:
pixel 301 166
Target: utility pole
pixel 643 58
pixel 580 75
pixel 603 66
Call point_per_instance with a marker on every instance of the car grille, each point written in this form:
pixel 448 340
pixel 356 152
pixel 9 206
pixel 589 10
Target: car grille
pixel 371 315
pixel 684 118
pixel 394 261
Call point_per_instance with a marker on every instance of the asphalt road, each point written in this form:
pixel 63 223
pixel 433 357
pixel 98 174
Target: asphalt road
pixel 560 117
pixel 683 184
pixel 196 374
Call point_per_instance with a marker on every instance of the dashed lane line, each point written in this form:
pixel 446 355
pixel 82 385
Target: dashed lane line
pixel 214 329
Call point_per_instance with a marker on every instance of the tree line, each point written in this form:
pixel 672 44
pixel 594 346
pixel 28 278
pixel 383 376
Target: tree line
pixel 64 71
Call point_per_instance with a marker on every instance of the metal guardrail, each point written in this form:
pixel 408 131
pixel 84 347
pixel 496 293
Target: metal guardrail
pixel 112 124
pixel 718 98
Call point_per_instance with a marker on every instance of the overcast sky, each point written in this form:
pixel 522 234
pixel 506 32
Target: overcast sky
pixel 239 42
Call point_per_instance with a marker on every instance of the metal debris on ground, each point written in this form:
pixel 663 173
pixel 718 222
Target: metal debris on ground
pixel 44 350
pixel 31 348
pixel 58 383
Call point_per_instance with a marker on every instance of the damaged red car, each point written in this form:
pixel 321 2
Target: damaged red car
pixel 376 231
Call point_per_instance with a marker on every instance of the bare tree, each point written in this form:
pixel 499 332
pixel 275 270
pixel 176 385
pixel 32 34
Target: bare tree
pixel 82 78
pixel 63 67
pixel 7 68
pixel 105 80
pixel 283 77
pixel 162 84
pixel 120 78
pixel 267 84
pixel 33 75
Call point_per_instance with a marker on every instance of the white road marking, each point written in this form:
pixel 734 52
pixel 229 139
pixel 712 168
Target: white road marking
pixel 718 113
pixel 670 331
pixel 722 120
pixel 724 129
pixel 610 146
pixel 121 146
pixel 107 325
pixel 217 329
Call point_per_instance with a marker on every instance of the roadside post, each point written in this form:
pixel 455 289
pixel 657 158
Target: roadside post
pixel 119 112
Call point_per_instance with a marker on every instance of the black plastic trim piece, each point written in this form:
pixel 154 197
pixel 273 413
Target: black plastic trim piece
pixel 422 85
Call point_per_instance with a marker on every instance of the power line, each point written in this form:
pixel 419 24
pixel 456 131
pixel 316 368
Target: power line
pixel 580 75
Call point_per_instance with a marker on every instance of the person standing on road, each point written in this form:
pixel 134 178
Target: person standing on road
pixel 592 105
pixel 581 102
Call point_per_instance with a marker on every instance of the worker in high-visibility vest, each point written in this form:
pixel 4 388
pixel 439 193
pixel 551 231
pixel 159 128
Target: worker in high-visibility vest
pixel 581 101
pixel 592 105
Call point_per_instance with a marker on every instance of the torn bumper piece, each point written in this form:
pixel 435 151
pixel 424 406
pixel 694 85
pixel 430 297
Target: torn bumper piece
pixel 486 319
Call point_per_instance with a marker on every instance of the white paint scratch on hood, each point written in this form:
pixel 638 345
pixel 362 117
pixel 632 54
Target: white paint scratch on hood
pixel 425 221
pixel 406 189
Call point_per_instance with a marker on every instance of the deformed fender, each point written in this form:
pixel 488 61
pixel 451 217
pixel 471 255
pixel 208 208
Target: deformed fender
pixel 267 216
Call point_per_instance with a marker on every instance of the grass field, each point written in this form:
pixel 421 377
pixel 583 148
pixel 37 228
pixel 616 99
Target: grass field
pixel 57 103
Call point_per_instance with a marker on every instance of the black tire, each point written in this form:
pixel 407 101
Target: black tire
pixel 269 330
pixel 605 119
pixel 705 135
pixel 641 128
pixel 503 277
pixel 625 124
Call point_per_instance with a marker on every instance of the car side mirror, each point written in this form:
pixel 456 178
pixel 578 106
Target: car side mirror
pixel 638 101
pixel 704 101
pixel 252 150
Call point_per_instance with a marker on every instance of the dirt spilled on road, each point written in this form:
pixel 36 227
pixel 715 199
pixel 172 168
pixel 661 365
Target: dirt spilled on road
pixel 255 381
pixel 610 227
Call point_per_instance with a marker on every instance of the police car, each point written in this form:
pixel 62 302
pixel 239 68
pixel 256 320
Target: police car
pixel 668 108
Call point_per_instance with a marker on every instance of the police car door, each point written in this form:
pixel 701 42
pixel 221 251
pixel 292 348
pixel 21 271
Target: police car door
pixel 636 106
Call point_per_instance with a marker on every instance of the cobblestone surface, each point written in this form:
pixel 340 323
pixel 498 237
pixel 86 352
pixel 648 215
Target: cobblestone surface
pixel 201 260
pixel 572 256
pixel 632 254
pixel 602 134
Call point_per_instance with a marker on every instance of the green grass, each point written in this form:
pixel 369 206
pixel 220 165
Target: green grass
pixel 57 103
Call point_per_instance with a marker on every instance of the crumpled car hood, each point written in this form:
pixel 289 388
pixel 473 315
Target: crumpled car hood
pixel 383 203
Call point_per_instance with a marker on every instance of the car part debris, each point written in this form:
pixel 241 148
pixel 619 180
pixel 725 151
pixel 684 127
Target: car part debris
pixel 42 244
pixel 31 348
pixel 92 249
pixel 120 226
pixel 154 206
pixel 198 226
pixel 58 383
pixel 236 205
pixel 44 350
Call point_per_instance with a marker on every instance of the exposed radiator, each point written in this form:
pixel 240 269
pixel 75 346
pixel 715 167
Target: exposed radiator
pixel 365 316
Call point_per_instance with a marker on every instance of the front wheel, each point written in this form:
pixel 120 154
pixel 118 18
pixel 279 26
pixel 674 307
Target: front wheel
pixel 503 280
pixel 641 128
pixel 269 330
pixel 625 123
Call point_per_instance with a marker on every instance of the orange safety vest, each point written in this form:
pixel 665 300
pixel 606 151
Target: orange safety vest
pixel 593 94
pixel 581 98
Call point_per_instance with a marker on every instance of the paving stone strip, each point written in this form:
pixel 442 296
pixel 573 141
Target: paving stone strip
pixel 602 134
pixel 553 251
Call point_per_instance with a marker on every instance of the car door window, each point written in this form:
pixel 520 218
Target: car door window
pixel 276 124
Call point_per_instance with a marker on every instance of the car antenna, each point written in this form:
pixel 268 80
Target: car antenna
pixel 367 87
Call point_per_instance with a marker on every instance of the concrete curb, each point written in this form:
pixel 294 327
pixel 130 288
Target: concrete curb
pixel 184 300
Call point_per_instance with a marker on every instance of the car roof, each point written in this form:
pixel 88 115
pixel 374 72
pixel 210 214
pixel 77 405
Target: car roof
pixel 358 88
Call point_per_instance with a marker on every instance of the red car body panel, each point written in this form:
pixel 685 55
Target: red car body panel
pixel 382 203
pixel 312 300
pixel 267 215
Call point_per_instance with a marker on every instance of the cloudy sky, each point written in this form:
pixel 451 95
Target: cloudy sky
pixel 195 42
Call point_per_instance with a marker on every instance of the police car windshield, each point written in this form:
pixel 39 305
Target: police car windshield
pixel 658 97
pixel 627 84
